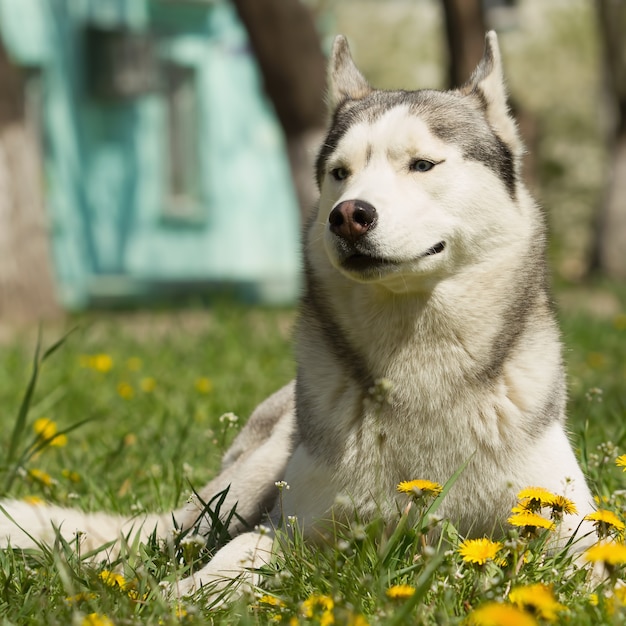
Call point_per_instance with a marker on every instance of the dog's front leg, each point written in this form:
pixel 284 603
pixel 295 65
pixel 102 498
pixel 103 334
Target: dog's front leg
pixel 232 566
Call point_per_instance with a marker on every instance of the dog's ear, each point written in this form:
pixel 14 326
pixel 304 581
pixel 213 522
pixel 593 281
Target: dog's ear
pixel 486 85
pixel 345 82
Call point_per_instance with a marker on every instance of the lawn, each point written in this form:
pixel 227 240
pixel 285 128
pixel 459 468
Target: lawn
pixel 136 399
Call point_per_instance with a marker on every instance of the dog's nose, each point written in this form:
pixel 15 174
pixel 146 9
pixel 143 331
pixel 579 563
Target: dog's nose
pixel 351 219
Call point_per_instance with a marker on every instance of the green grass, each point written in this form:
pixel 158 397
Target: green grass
pixel 142 426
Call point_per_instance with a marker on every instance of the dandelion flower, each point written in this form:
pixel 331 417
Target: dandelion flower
pixel 317 602
pixel 36 500
pixel 46 429
pixel 95 619
pixel 620 461
pixel 41 477
pixel 497 614
pixel 321 607
pixel 271 601
pixel 619 592
pixel 534 498
pixel 203 385
pixel 607 552
pixel 147 384
pixel 419 487
pixel 528 519
pixel 83 596
pixel 400 592
pixel 619 321
pixel 100 362
pixel 73 477
pixel 134 364
pixel 604 521
pixel 112 579
pixel 561 505
pixel 125 390
pixel 537 599
pixel 479 551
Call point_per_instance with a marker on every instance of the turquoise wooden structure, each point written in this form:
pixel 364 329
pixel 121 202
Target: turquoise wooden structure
pixel 164 164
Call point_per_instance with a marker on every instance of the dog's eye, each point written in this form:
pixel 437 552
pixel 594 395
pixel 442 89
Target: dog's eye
pixel 421 165
pixel 339 173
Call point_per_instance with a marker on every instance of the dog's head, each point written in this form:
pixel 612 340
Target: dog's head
pixel 415 184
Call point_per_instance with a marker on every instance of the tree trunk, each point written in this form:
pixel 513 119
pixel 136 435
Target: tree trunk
pixel 287 48
pixel 26 283
pixel 465 34
pixel 609 249
pixel 466 27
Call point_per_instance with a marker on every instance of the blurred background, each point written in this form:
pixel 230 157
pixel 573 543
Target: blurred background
pixel 156 150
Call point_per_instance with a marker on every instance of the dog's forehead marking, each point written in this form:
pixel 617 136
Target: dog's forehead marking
pixel 449 116
pixel 397 134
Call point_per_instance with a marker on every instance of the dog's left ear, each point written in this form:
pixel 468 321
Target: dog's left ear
pixel 345 82
pixel 487 86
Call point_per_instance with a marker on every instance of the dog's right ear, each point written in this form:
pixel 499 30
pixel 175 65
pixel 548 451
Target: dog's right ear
pixel 345 82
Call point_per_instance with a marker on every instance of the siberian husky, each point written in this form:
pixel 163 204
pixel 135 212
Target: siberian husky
pixel 426 338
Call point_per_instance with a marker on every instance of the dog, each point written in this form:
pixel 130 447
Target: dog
pixel 426 339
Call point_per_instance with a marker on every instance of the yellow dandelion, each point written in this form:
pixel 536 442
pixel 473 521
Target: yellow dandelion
pixel 497 614
pixel 561 505
pixel 73 477
pixel 321 607
pixel 400 592
pixel 538 599
pixel 534 498
pixel 36 500
pixel 479 551
pixel 203 385
pixel 620 461
pixel 528 519
pixel 130 439
pixel 608 552
pixel 419 487
pixel 112 579
pixel 101 363
pixel 46 429
pixel 604 521
pixel 41 477
pixel 134 364
pixel 147 384
pixel 95 619
pixel 125 391
pixel 596 360
pixel 271 601
pixel 356 620
pixel 83 596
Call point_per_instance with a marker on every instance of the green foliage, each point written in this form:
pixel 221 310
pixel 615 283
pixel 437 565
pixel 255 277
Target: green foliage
pixel 133 406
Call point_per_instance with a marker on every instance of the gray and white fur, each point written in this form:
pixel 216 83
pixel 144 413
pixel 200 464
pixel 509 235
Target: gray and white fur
pixel 426 337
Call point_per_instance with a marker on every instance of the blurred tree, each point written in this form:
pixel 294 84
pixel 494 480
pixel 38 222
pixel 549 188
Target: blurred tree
pixel 288 50
pixel 26 283
pixel 465 34
pixel 466 26
pixel 609 250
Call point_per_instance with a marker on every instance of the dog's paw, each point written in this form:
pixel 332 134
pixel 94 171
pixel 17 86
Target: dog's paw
pixel 231 571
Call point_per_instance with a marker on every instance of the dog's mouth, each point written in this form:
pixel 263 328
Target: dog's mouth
pixel 364 263
pixel 436 249
pixel 361 262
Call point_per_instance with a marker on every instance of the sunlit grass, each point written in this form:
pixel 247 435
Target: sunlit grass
pixel 125 416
